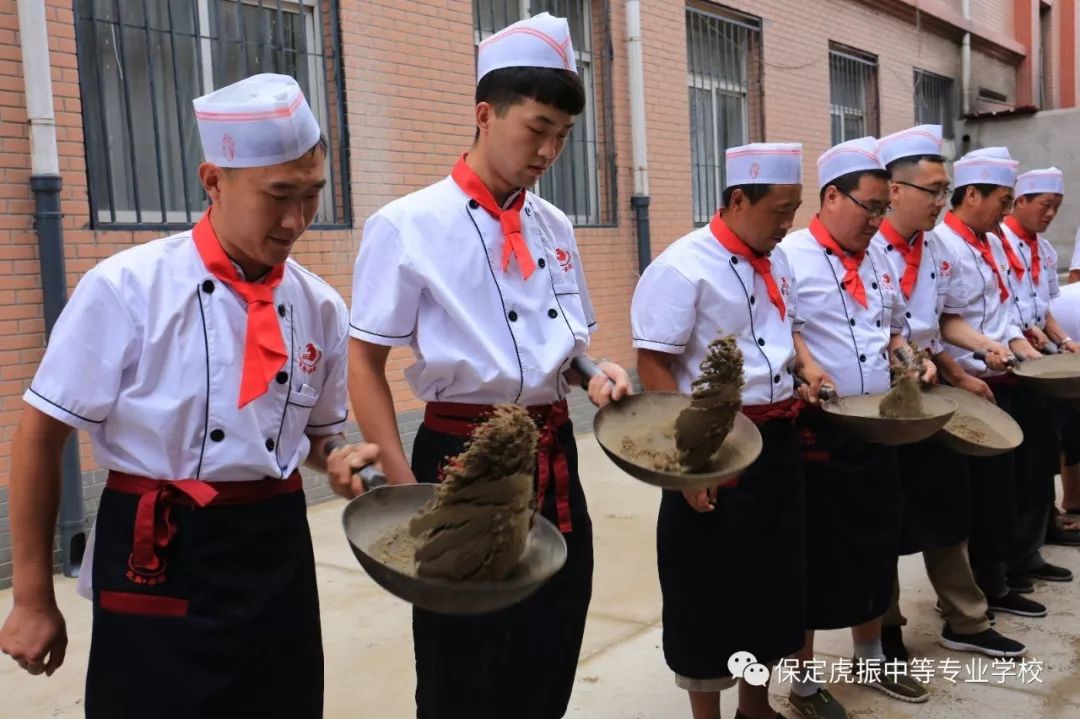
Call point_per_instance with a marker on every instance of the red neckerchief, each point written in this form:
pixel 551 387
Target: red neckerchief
pixel 850 260
pixel 1032 241
pixel 264 345
pixel 509 218
pixel 910 251
pixel 761 264
pixel 982 244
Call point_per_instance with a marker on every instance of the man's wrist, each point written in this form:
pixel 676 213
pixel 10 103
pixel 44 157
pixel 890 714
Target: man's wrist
pixel 334 443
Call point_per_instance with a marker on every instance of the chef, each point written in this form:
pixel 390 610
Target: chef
pixel 977 290
pixel 936 501
pixel 728 279
pixel 206 367
pixel 483 280
pixel 1039 194
pixel 850 318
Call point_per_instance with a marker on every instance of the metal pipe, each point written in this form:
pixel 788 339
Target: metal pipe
pixel 965 59
pixel 640 199
pixel 45 182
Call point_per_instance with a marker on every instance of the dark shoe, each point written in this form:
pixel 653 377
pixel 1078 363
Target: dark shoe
pixel 820 705
pixel 892 642
pixel 740 715
pixel 892 682
pixel 1049 573
pixel 1013 603
pixel 987 642
pixel 1019 583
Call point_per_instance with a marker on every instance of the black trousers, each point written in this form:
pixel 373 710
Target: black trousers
pixel 519 662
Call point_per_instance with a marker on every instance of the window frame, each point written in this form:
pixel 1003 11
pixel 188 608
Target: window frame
pixel 948 123
pixel 207 46
pixel 870 112
pixel 718 87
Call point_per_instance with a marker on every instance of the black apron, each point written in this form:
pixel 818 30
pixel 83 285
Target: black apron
pixel 734 579
pixel 226 627
pixel 936 496
pixel 519 662
pixel 1037 458
pixel 1068 421
pixel 993 493
pixel 853 505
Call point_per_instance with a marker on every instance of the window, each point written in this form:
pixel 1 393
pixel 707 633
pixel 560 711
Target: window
pixel 142 63
pixel 934 103
pixel 582 181
pixel 853 82
pixel 723 59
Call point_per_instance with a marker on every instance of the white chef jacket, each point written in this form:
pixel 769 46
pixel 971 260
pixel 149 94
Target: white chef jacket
pixel 1066 309
pixel 850 342
pixel 429 275
pixel 1074 264
pixel 922 317
pixel 147 356
pixel 1031 300
pixel 972 293
pixel 696 291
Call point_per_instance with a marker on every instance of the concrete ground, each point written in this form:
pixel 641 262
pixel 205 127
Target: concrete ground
pixel 622 674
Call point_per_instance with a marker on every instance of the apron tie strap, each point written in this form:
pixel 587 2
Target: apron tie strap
pixel 154 525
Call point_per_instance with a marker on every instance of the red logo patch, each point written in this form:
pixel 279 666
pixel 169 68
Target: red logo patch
pixel 228 147
pixel 755 170
pixel 946 268
pixel 785 288
pixel 565 260
pixel 309 358
pixel 886 279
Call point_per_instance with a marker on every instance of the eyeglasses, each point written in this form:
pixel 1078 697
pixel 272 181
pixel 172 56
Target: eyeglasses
pixel 938 195
pixel 873 212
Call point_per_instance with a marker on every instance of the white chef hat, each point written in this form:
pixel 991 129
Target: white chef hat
pixel 852 156
pixel 764 163
pixel 988 166
pixel 259 121
pixel 1037 182
pixel 913 142
pixel 540 41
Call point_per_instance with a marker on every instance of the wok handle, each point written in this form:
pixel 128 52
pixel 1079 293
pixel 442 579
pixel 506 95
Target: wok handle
pixel 587 369
pixel 371 477
pixel 981 356
pixel 827 393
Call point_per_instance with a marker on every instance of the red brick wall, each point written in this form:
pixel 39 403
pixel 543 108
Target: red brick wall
pixel 409 75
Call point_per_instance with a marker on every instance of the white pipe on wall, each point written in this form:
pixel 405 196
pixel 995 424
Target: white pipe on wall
pixel 38 79
pixel 965 59
pixel 637 98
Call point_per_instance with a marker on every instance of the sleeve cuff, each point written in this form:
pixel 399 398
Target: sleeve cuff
pixel 325 430
pixel 379 339
pixel 672 349
pixel 60 414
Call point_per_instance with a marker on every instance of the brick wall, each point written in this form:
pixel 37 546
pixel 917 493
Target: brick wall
pixel 408 67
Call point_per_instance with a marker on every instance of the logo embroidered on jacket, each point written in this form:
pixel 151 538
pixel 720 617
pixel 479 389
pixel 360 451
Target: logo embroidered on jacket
pixel 564 258
pixel 309 358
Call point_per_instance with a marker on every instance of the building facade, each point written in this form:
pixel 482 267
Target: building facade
pixel 392 82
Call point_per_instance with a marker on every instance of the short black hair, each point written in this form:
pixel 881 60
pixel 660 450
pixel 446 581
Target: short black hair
pixel 753 193
pixel 549 86
pixel 903 162
pixel 850 182
pixel 983 189
pixel 1030 197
